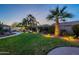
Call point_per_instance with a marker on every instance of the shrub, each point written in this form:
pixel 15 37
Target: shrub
pixel 51 29
pixel 1 31
pixel 63 32
pixel 75 29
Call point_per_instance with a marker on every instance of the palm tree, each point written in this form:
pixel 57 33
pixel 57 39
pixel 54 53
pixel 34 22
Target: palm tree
pixel 58 14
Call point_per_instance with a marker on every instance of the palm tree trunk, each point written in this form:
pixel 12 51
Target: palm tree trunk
pixel 57 29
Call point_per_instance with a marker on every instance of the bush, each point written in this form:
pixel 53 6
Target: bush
pixel 47 30
pixel 64 33
pixel 51 29
pixel 75 29
pixel 1 31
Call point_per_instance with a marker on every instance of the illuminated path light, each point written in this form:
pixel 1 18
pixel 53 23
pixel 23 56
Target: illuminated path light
pixel 70 38
pixel 67 38
pixel 48 35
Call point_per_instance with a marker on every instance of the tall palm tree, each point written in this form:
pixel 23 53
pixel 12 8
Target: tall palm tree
pixel 58 14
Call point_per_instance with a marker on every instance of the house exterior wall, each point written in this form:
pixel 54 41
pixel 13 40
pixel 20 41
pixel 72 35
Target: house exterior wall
pixel 68 26
pixel 6 27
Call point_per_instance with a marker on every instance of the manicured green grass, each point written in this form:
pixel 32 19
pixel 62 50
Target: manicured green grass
pixel 30 44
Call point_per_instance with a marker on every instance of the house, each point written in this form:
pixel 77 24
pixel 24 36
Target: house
pixel 64 26
pixel 68 26
pixel 5 29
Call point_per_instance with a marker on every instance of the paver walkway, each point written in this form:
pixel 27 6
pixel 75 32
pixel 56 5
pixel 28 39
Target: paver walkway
pixel 65 51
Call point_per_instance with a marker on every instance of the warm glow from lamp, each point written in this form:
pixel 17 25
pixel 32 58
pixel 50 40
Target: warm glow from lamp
pixel 34 32
pixel 48 35
pixel 70 38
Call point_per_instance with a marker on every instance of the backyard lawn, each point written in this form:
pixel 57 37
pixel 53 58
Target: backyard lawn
pixel 31 44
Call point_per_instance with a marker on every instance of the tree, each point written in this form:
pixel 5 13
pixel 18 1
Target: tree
pixel 1 23
pixel 14 25
pixel 56 15
pixel 25 22
pixel 32 22
pixel 1 28
pixel 75 29
pixel 22 25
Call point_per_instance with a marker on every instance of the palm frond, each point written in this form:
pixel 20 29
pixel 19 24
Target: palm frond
pixel 67 15
pixel 63 20
pixel 57 9
pixel 59 13
pixel 50 17
pixel 53 12
pixel 63 9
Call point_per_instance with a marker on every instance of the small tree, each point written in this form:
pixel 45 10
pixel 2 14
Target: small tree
pixel 75 29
